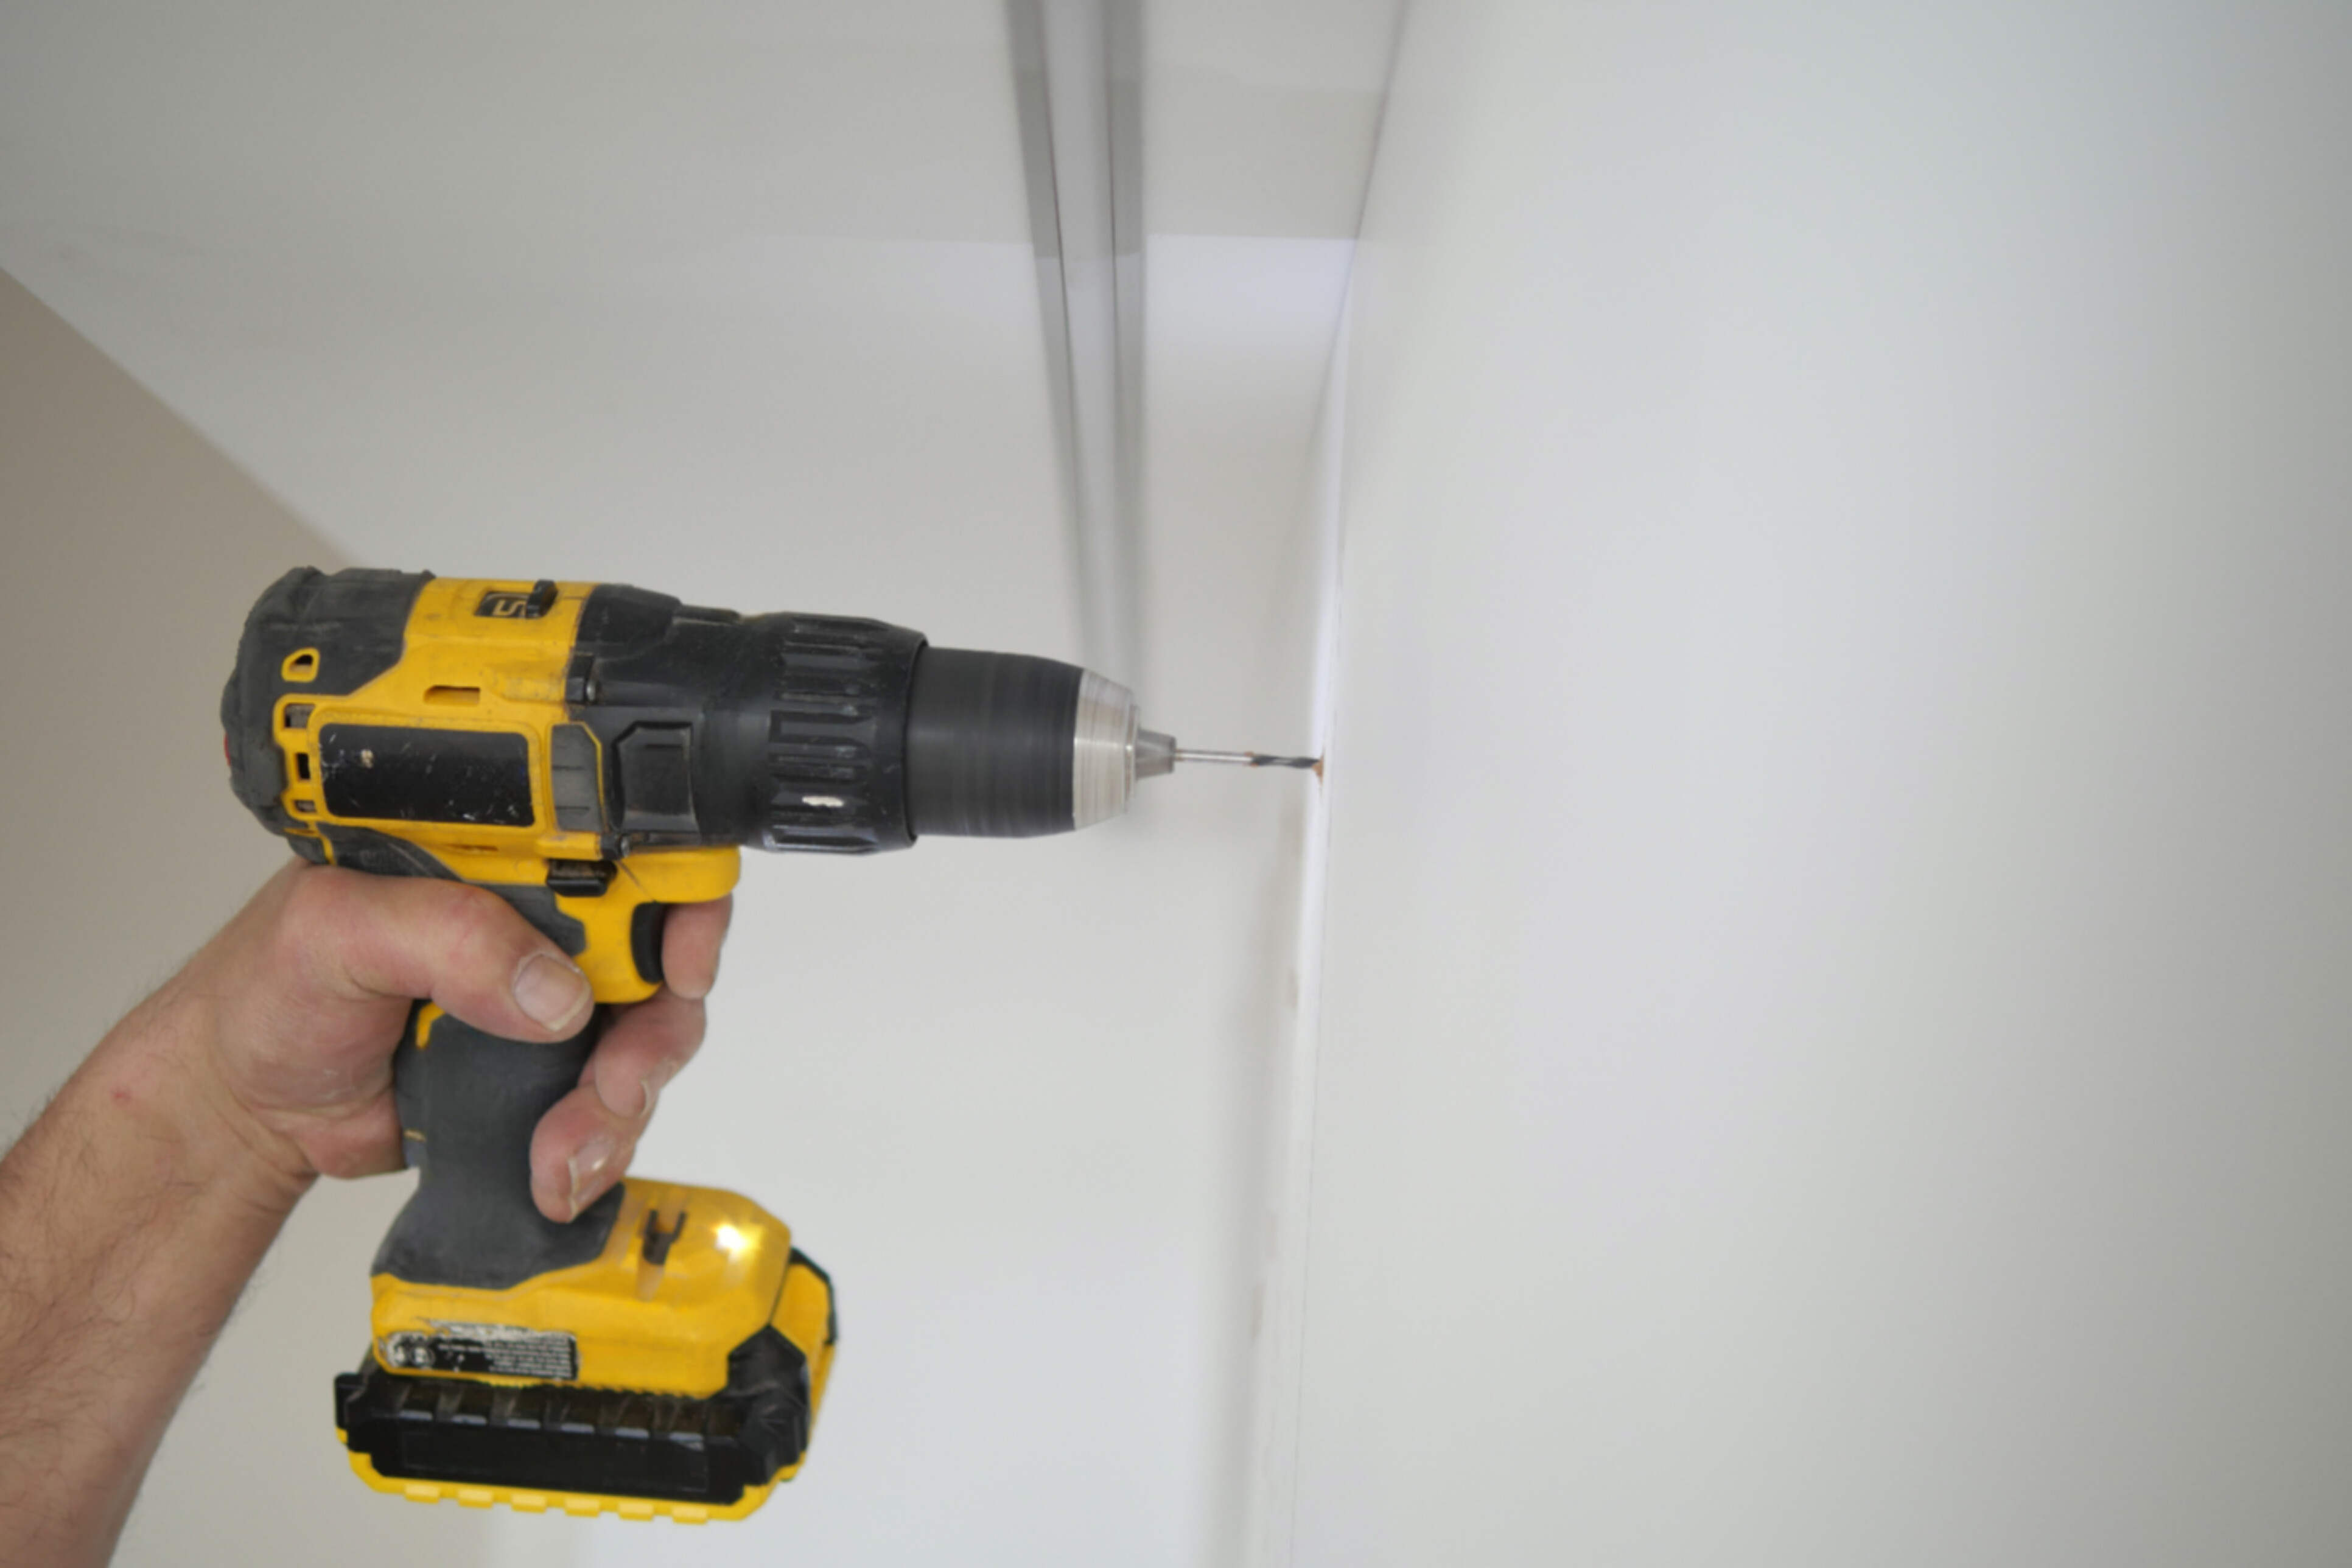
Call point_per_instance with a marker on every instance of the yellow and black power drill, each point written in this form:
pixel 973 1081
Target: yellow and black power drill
pixel 595 753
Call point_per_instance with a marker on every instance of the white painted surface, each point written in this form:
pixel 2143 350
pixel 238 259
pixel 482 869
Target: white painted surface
pixel 1262 118
pixel 1837 1035
pixel 674 290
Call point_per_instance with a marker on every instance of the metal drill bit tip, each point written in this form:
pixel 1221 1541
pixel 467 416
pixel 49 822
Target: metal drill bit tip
pixel 1246 759
pixel 1152 753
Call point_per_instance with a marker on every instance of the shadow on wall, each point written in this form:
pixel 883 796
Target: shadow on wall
pixel 133 550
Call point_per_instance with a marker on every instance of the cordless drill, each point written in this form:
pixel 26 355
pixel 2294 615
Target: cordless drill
pixel 593 754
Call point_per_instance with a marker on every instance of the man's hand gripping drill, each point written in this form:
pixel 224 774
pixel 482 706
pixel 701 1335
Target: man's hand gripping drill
pixel 304 994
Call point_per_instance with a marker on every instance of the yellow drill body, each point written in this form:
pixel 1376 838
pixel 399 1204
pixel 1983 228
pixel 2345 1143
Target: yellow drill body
pixel 647 1323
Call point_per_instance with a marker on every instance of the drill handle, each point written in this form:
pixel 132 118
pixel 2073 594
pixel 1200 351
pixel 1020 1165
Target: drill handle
pixel 468 1104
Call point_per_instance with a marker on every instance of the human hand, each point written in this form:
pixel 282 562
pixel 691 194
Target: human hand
pixel 298 1005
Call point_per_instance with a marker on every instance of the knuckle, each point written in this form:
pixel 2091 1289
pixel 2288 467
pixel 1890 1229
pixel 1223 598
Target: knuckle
pixel 475 921
pixel 316 914
pixel 316 893
pixel 677 1030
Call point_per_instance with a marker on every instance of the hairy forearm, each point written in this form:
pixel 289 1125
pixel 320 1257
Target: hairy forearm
pixel 132 1214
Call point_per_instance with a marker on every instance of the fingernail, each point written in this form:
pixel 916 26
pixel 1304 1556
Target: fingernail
pixel 587 1170
pixel 554 992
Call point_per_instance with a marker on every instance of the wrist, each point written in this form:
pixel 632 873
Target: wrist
pixel 160 1069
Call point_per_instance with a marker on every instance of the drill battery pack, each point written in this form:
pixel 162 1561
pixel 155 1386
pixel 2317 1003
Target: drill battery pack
pixel 654 1399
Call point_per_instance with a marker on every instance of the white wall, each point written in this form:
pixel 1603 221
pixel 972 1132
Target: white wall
pixel 1837 1031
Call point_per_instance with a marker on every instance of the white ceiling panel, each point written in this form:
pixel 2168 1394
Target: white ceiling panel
pixel 680 296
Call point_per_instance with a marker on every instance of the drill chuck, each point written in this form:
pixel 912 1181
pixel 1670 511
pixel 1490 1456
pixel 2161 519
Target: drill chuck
pixel 1004 745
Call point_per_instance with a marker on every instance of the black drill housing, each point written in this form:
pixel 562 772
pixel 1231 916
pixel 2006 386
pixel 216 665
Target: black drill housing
pixel 775 731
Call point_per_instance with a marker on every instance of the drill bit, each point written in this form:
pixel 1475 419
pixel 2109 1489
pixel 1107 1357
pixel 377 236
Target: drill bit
pixel 1155 754
pixel 1246 759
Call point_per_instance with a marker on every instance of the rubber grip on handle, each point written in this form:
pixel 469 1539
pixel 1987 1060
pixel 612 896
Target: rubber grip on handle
pixel 468 1104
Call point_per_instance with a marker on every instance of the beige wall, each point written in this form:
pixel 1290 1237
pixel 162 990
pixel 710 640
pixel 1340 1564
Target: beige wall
pixel 132 550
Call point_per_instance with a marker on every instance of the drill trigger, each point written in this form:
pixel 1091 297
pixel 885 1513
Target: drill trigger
pixel 648 921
